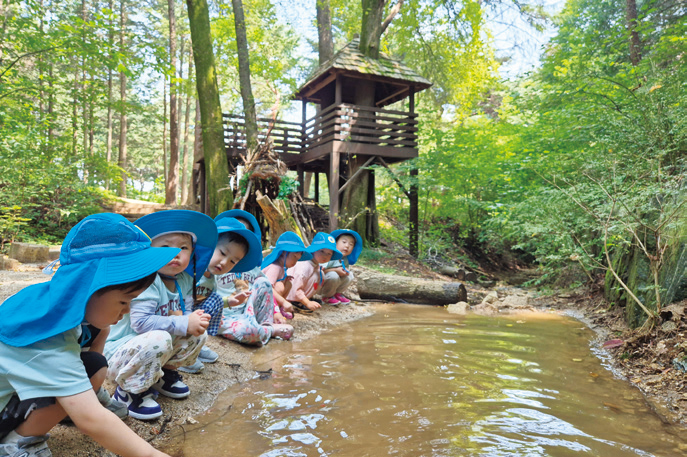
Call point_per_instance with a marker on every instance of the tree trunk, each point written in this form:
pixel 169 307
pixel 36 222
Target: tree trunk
pixel 244 77
pixel 185 149
pixel 325 44
pixel 108 146
pixel 196 188
pixel 374 285
pixel 631 17
pixel 122 97
pixel 164 130
pixel 371 28
pixel 172 178
pixel 219 194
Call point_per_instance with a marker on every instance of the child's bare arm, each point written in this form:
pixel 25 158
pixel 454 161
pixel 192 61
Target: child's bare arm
pixel 104 427
pixel 301 297
pixel 98 343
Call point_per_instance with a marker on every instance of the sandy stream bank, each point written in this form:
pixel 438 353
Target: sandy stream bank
pixel 237 363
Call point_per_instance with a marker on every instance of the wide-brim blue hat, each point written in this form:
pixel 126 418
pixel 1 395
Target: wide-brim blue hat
pixel 100 251
pixel 198 225
pixel 254 255
pixel 357 249
pixel 323 240
pixel 244 215
pixel 287 242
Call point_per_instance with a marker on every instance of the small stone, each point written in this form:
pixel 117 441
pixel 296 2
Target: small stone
pixel 458 308
pixel 490 298
pixel 8 264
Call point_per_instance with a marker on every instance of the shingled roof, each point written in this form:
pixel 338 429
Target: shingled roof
pixel 350 59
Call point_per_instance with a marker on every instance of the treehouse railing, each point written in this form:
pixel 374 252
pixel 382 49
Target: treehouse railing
pixel 344 122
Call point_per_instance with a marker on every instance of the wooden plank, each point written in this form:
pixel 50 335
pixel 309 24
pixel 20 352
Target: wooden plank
pixel 392 152
pixel 365 139
pixel 379 133
pixel 378 110
pixel 405 128
pixel 318 86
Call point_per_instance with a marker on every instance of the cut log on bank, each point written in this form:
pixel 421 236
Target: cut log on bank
pixel 374 285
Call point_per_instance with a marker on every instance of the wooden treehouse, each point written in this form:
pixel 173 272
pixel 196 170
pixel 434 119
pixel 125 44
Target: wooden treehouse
pixel 352 130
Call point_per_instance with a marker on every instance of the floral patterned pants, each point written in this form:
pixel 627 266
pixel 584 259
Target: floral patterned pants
pixel 252 325
pixel 137 364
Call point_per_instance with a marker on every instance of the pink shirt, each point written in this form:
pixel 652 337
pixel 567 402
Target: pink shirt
pixel 306 277
pixel 274 272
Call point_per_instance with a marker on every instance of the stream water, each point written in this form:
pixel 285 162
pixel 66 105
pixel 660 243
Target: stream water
pixel 417 381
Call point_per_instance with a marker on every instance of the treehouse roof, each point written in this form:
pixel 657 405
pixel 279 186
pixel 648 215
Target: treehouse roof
pixel 394 79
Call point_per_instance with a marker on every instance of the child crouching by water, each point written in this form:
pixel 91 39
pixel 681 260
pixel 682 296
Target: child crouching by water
pixel 308 276
pixel 159 335
pixel 249 316
pixel 288 250
pixel 106 262
pixel 337 275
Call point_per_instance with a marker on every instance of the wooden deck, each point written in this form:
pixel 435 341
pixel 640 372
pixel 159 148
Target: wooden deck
pixel 343 129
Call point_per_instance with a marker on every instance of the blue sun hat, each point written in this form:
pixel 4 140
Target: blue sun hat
pixel 241 214
pixel 323 240
pixel 100 251
pixel 198 225
pixel 357 249
pixel 287 242
pixel 254 255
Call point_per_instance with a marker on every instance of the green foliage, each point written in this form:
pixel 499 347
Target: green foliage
pixel 11 223
pixel 287 186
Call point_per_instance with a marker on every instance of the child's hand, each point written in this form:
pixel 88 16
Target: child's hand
pixel 312 305
pixel 242 296
pixel 236 299
pixel 198 321
pixel 287 306
pixel 279 319
pixel 341 272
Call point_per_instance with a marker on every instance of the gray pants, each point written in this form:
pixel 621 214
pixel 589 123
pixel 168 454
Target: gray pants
pixel 333 284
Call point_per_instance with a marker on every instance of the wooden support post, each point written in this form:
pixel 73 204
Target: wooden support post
pixel 414 216
pixel 337 90
pixel 317 187
pixel 371 221
pixel 333 191
pixel 301 181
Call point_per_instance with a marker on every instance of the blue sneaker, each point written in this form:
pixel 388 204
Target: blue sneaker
pixel 171 385
pixel 197 367
pixel 207 355
pixel 141 406
pixel 27 446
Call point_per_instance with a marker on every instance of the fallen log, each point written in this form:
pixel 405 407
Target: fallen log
pixel 374 285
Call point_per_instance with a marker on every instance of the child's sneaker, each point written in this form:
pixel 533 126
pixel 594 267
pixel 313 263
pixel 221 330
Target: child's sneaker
pixel 342 299
pixel 117 407
pixel 207 355
pixel 171 385
pixel 283 331
pixel 29 446
pixel 331 301
pixel 141 406
pixel 197 367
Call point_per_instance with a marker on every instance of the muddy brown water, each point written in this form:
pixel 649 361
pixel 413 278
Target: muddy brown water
pixel 417 381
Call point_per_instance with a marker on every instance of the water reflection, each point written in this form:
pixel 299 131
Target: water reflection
pixel 414 381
